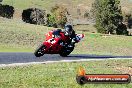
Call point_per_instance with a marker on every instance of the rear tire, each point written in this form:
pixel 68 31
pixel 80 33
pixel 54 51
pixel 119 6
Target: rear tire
pixel 40 51
pixel 63 54
pixel 66 51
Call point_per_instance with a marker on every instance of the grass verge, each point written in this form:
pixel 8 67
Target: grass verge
pixel 17 36
pixel 59 75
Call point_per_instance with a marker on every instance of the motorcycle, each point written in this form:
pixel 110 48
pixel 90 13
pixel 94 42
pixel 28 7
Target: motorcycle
pixel 57 45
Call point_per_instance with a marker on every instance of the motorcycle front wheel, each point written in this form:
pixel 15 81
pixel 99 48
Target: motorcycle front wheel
pixel 40 51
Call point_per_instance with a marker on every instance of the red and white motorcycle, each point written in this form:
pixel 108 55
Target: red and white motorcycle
pixel 57 45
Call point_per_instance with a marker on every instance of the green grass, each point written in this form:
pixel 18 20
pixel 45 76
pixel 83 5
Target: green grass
pixel 88 28
pixel 13 48
pixel 44 4
pixel 107 45
pixel 47 4
pixel 72 5
pixel 59 75
pixel 17 36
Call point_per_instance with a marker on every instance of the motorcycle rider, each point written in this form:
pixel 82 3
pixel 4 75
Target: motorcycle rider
pixel 59 42
pixel 68 31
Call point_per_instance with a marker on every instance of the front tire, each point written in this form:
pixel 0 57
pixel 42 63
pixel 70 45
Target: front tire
pixel 40 51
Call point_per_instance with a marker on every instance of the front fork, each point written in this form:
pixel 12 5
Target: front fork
pixel 47 44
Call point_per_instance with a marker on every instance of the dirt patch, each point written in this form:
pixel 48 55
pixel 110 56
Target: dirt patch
pixel 17 13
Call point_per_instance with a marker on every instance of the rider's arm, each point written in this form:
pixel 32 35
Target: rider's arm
pixel 56 33
pixel 73 37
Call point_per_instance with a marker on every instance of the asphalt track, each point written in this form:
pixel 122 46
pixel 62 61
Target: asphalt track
pixel 13 59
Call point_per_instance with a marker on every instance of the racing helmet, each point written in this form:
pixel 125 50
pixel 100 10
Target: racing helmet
pixel 68 30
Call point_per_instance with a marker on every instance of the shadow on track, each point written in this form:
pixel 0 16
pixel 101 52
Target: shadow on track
pixel 85 56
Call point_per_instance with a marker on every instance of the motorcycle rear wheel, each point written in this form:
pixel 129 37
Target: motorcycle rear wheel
pixel 66 52
pixel 40 51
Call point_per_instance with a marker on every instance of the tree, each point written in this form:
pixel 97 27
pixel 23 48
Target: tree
pixel 59 14
pixel 107 14
pixel 128 19
pixel 35 16
pixel 6 11
pixel 1 1
pixel 51 21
